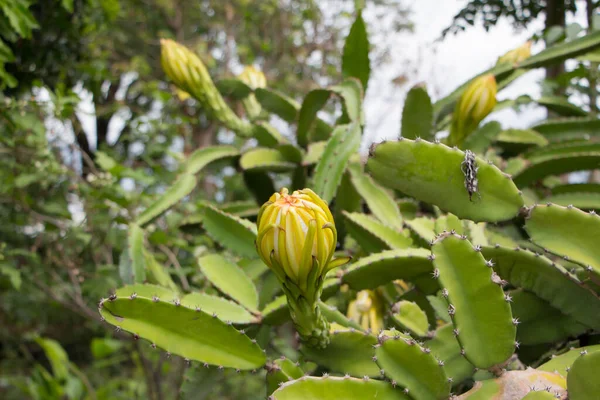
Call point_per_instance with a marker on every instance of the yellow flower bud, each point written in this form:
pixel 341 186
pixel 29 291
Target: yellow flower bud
pixel 476 102
pixel 367 310
pixel 253 77
pixel 296 233
pixel 517 55
pixel 188 72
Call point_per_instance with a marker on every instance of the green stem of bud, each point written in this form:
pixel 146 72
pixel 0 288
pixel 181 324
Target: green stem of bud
pixel 310 323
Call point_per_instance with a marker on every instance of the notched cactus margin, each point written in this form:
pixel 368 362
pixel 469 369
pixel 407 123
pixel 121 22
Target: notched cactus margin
pixel 582 379
pixel 433 173
pixel 230 279
pixel 566 231
pixel 562 363
pixel 516 385
pixel 329 387
pixel 548 280
pixel 225 310
pixel 444 346
pixel 412 367
pixel 477 305
pixel 280 371
pixel 344 142
pixel 182 331
pixel 350 351
pixel 232 232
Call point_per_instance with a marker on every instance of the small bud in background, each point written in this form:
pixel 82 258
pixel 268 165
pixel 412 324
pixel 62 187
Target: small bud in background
pixel 517 55
pixel 296 239
pixel 476 102
pixel 255 79
pixel 367 310
pixel 189 73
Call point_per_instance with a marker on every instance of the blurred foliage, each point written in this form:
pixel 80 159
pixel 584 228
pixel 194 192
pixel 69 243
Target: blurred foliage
pixel 90 133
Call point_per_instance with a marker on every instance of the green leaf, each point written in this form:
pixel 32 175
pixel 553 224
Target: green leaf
pixel 260 184
pixel 344 142
pixel 355 56
pixel 561 106
pixel 234 233
pixel 379 201
pixel 230 279
pixel 233 88
pixel 147 291
pixel 582 380
pixel 349 352
pixel 550 282
pixel 180 189
pixel 540 322
pixel 313 102
pixel 410 317
pixel 59 360
pixel 135 241
pixel 314 152
pixel 433 173
pixel 566 231
pixel 556 165
pixel 224 309
pixel 381 268
pixel 477 304
pixel 126 267
pixel 445 347
pixel 157 273
pixel 521 138
pixel 13 274
pixel 372 235
pixel 417 114
pixel 19 17
pixel 265 159
pixel 278 104
pixel 562 363
pixel 556 130
pixel 350 91
pixel 334 388
pixel 205 155
pixel 283 370
pixel 182 331
pixel 410 366
pixel 481 139
pixel 581 200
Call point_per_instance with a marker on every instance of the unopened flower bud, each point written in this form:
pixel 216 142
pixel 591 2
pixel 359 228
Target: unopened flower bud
pixel 296 233
pixel 188 72
pixel 517 55
pixel 296 239
pixel 255 79
pixel 367 310
pixel 476 102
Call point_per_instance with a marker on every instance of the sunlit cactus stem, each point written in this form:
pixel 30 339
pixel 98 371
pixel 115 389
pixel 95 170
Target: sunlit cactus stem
pixel 188 72
pixel 255 79
pixel 296 239
pixel 477 101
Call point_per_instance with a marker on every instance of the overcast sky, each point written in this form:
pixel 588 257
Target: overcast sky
pixel 444 66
